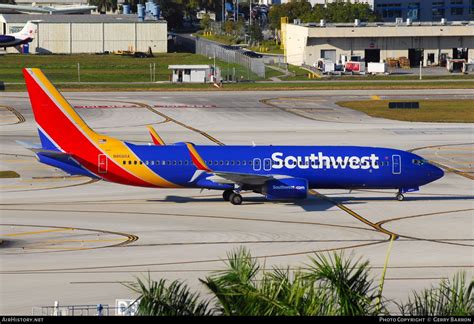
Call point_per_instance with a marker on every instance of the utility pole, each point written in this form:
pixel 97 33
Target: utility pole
pixel 250 14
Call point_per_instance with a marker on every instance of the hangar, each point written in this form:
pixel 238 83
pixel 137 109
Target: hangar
pixel 73 34
pixel 432 43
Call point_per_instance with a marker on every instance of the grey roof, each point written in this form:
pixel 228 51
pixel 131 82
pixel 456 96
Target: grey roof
pixel 389 24
pixel 21 18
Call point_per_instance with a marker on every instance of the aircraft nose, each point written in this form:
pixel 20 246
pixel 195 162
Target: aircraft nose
pixel 435 172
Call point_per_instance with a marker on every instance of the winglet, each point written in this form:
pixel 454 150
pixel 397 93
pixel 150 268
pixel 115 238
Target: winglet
pixel 197 159
pixel 155 137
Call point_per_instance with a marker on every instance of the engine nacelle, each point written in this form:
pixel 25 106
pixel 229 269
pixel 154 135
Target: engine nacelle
pixel 285 189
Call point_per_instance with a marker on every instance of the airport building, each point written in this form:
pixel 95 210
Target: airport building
pixel 416 10
pixel 431 43
pixel 73 34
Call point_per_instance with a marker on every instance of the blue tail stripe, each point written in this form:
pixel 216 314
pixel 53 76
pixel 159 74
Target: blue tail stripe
pixel 46 143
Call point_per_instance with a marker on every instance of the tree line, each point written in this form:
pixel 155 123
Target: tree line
pixel 336 12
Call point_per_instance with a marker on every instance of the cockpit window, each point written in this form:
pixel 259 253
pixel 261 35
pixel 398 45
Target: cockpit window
pixel 418 162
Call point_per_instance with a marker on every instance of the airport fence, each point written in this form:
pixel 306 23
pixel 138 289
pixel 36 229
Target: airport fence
pixel 212 49
pixel 86 310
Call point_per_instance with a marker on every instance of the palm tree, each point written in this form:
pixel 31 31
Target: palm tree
pixel 104 5
pixel 451 298
pixel 331 285
pixel 163 299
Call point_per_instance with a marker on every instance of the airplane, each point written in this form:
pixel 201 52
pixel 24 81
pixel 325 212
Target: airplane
pixel 277 172
pixel 26 35
pixel 63 10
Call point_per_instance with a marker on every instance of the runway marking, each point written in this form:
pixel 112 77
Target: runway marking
pixel 449 155
pixel 375 98
pixel 128 238
pixel 297 112
pixel 445 167
pixel 379 224
pixel 39 232
pixel 181 270
pixel 79 241
pixel 19 116
pixel 392 236
pixel 91 181
pixel 211 138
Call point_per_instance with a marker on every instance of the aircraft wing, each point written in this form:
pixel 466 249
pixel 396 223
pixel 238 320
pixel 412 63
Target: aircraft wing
pixel 224 177
pixel 243 178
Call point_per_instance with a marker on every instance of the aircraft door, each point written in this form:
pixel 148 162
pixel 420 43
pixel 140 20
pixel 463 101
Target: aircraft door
pixel 102 163
pixel 257 164
pixel 396 164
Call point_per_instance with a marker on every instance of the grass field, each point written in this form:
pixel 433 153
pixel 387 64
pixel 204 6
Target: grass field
pixel 461 111
pixel 252 86
pixel 107 68
pixel 8 174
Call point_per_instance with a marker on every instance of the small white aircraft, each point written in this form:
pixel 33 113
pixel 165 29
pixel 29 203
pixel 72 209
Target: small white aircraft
pixel 26 35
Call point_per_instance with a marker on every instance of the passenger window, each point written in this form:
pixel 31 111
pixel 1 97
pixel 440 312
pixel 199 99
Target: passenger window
pixel 152 162
pixel 209 162
pixel 174 162
pixel 244 163
pixel 227 162
pixel 141 162
pixel 222 163
pixel 180 162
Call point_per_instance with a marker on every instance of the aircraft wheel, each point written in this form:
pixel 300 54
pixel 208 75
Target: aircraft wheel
pixel 236 199
pixel 400 197
pixel 226 194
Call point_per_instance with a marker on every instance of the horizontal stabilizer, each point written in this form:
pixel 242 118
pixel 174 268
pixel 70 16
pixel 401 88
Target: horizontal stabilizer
pixel 29 146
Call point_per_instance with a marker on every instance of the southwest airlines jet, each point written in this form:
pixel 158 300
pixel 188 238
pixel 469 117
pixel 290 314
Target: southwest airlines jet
pixel 277 172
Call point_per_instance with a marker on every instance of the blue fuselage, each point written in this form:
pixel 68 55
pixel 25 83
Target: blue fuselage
pixel 322 166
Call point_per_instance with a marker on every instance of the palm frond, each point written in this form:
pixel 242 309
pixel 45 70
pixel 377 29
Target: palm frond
pixel 158 298
pixel 451 298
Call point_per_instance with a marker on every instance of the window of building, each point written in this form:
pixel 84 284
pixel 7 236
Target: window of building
pixel 413 11
pixel 187 72
pixel 471 9
pixel 457 8
pixel 438 10
pixel 390 10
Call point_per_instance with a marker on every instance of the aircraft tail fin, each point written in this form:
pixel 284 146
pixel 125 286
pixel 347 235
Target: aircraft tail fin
pixel 59 125
pixel 28 31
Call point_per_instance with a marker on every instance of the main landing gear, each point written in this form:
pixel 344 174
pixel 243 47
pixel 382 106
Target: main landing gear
pixel 233 197
pixel 400 196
